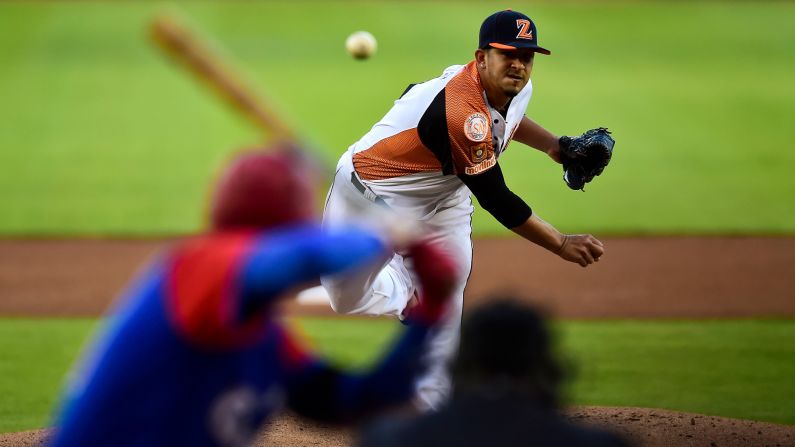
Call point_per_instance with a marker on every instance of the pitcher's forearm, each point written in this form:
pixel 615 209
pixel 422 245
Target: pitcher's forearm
pixel 541 233
pixel 532 134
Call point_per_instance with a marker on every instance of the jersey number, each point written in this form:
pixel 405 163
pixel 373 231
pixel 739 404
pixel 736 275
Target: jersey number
pixel 524 29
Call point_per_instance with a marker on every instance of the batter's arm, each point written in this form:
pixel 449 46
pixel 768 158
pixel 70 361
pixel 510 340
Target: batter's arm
pixel 285 259
pixel 532 134
pixel 323 392
pixel 583 249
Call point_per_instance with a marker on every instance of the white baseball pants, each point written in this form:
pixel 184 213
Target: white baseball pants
pixel 384 287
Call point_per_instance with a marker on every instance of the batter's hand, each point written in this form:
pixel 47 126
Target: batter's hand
pixel 438 277
pixel 583 249
pixel 398 231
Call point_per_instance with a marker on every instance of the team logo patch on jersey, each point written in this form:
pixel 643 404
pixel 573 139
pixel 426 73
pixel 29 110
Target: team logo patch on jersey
pixel 476 127
pixel 480 167
pixel 479 152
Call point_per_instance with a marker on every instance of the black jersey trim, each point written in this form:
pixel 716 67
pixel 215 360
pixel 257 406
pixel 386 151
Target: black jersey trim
pixel 494 196
pixel 432 130
pixel 407 90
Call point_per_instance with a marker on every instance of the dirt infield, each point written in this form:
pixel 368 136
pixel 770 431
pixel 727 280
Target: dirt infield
pixel 644 427
pixel 638 277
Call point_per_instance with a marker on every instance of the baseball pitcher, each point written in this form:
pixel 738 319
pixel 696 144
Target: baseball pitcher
pixel 439 144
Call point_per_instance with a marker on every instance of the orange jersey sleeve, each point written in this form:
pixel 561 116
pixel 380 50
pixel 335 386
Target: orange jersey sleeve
pixel 469 124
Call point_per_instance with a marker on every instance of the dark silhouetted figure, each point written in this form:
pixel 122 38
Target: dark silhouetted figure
pixel 507 390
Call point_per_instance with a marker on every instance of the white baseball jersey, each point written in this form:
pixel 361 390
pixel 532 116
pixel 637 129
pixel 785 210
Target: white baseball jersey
pixel 436 130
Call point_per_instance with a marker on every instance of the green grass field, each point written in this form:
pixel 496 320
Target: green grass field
pixel 734 368
pixel 100 135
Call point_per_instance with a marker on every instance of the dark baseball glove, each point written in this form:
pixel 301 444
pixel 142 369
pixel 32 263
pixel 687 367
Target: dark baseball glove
pixel 586 156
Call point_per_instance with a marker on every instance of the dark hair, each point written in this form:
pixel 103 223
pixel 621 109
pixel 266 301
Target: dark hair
pixel 506 348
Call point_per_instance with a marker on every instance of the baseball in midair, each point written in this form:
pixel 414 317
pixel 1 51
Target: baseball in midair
pixel 361 44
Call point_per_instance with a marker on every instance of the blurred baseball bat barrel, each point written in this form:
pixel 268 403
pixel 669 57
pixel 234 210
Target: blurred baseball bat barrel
pixel 191 51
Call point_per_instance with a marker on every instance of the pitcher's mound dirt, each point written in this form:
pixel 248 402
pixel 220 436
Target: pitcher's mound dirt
pixel 645 427
pixel 642 426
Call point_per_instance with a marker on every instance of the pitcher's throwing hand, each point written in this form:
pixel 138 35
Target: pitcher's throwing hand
pixel 583 249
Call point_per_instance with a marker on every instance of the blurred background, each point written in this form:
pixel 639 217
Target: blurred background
pixel 99 134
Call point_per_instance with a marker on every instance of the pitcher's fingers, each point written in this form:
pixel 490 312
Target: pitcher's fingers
pixel 596 251
pixel 586 255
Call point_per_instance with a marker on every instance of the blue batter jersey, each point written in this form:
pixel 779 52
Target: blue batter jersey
pixel 194 356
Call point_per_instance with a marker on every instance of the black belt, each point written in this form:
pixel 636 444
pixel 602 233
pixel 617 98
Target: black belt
pixel 366 192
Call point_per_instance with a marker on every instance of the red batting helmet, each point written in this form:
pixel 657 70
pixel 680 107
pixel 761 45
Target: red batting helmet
pixel 263 188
